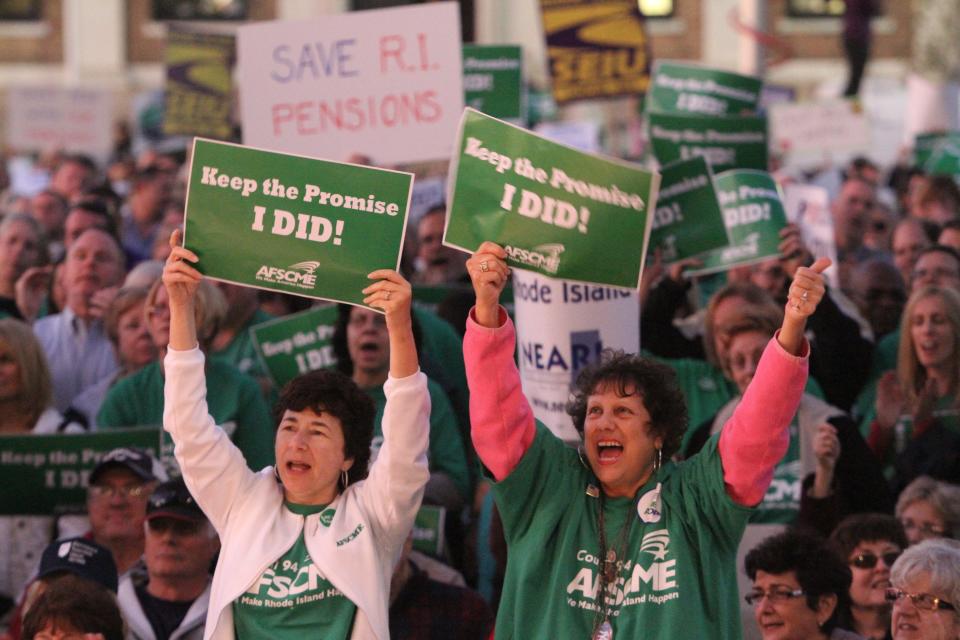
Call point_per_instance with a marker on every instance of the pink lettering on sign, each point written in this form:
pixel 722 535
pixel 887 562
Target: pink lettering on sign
pixel 310 117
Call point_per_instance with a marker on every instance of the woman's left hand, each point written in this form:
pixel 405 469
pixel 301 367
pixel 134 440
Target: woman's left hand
pixel 807 290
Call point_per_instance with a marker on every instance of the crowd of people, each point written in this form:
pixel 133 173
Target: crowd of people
pixel 789 440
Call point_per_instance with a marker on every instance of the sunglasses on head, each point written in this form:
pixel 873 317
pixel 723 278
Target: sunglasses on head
pixel 869 560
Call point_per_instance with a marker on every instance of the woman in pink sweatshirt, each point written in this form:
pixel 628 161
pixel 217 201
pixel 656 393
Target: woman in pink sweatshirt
pixel 613 539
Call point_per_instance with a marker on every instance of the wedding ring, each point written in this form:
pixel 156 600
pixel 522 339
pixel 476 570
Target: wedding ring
pixel 804 295
pixel 484 267
pixel 386 295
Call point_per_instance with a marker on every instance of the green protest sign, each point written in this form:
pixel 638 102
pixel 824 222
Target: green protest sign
pixel 688 219
pixel 295 344
pixel 945 159
pixel 292 224
pixel 47 474
pixel 198 96
pixel 692 89
pixel 555 210
pixel 428 530
pixel 493 80
pixel 753 213
pixel 924 145
pixel 726 142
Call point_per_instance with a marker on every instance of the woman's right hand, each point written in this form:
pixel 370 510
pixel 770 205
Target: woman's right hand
pixel 890 403
pixel 180 279
pixel 489 274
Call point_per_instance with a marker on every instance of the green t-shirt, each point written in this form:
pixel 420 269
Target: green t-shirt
pixel 292 599
pixel 781 502
pixel 446 449
pixel 679 576
pixel 234 400
pixel 240 352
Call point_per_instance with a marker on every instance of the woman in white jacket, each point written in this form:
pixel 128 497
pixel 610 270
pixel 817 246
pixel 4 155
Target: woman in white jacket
pixel 308 546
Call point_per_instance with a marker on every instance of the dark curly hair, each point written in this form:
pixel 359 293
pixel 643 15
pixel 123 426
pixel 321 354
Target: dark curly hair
pixel 866 527
pixel 819 572
pixel 338 395
pixel 656 384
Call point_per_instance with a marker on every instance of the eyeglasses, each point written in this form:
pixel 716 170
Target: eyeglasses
pixel 108 491
pixel 869 560
pixel 774 595
pixel 923 601
pixel 925 528
pixel 174 525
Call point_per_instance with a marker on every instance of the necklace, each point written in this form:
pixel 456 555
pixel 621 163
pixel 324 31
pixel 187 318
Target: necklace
pixel 611 556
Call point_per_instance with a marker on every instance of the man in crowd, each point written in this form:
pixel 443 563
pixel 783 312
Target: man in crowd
pixel 142 213
pixel 49 208
pixel 117 503
pixel 851 209
pixel 878 290
pixel 77 347
pixel 910 237
pixel 180 547
pixel 73 175
pixel 435 263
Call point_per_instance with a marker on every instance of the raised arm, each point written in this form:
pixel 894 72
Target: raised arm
pixel 393 294
pixel 756 436
pixel 502 423
pixel 212 466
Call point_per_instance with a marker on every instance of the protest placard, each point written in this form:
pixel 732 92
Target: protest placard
pixel 808 207
pixel 42 119
pixel 562 326
pixel 555 210
pixel 688 219
pixel 726 142
pixel 926 143
pixel 386 83
pixel 429 529
pixel 819 127
pixel 579 134
pixel 493 80
pixel 945 159
pixel 677 87
pixel 47 474
pixel 597 48
pixel 292 224
pixel 199 87
pixel 295 344
pixel 753 213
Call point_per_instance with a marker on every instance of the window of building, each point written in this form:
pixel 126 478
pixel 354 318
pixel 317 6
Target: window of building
pixel 657 8
pixel 20 10
pixel 815 8
pixel 200 10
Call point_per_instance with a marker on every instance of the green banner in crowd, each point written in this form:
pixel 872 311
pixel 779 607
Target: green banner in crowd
pixel 296 343
pixel 945 159
pixel 753 213
pixel 555 210
pixel 493 80
pixel 692 89
pixel 597 48
pixel 292 224
pixel 727 142
pixel 428 530
pixel 924 145
pixel 198 94
pixel 47 474
pixel 688 219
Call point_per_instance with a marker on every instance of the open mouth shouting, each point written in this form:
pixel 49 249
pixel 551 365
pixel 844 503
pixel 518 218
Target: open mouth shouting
pixel 609 451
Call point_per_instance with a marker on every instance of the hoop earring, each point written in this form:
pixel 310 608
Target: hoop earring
pixel 580 455
pixel 344 479
pixel 276 474
pixel 659 461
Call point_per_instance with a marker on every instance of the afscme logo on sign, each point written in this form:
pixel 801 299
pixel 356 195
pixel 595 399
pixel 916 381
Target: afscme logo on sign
pixel 544 256
pixel 300 275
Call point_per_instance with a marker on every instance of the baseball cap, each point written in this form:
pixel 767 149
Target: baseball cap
pixel 173 500
pixel 140 462
pixel 81 557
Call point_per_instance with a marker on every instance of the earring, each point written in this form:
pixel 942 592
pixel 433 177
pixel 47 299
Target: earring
pixel 659 461
pixel 344 479
pixel 276 474
pixel 580 455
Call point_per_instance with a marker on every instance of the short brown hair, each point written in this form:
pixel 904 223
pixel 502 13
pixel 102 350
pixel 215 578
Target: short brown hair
pixel 74 603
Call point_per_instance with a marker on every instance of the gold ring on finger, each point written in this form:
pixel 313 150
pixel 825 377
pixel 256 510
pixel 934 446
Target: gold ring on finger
pixel 484 267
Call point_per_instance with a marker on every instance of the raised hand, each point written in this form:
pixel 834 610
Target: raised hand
pixel 826 449
pixel 179 277
pixel 489 274
pixel 392 293
pixel 804 295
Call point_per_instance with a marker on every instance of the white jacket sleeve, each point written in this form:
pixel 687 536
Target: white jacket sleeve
pixel 213 468
pixel 393 491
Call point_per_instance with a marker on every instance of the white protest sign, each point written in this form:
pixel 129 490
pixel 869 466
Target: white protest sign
pixel 579 134
pixel 386 84
pixel 818 127
pixel 562 326
pixel 56 118
pixel 808 207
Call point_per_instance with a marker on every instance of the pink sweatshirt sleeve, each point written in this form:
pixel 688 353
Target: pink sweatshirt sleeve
pixel 756 436
pixel 502 423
